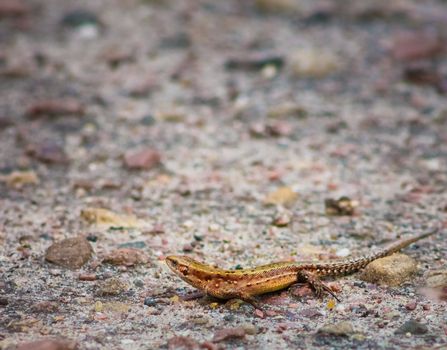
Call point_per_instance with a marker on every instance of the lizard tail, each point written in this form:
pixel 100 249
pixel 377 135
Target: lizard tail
pixel 355 264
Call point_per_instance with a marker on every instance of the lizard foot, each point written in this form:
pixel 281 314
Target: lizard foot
pixel 316 284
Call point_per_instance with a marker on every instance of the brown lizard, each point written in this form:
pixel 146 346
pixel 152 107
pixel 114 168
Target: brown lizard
pixel 247 283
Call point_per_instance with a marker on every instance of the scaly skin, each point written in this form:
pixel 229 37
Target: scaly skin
pixel 247 283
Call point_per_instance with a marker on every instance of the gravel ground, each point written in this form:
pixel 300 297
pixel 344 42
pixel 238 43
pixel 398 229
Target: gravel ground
pixel 222 131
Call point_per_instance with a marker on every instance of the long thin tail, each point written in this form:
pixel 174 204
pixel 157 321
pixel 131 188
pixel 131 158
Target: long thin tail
pixel 355 264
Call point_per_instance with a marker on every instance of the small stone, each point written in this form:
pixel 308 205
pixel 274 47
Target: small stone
pixel 416 45
pixel 183 343
pixel 112 286
pixel 14 9
pixel 104 217
pixel 437 278
pixel 411 306
pixel 136 245
pixel 49 344
pixel 200 320
pixel 19 179
pixel 179 40
pixel 142 159
pixel 259 313
pixel 255 61
pixel 5 121
pixel 71 253
pixel 88 277
pixel 338 207
pixel 282 196
pixel 278 6
pixel 343 328
pixel 310 313
pixel 188 248
pixel 47 151
pixel 92 238
pixel 113 307
pixel 281 220
pixel 391 271
pixel 313 63
pixel 287 110
pixel 228 333
pixel 79 17
pixel 412 327
pixel 249 328
pixel 3 301
pixel 188 224
pixel 55 108
pixel 45 307
pixel 150 301
pixel 126 257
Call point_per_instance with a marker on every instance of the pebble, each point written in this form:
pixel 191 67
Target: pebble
pixel 411 306
pixel 391 271
pixel 281 220
pixel 188 224
pixel 412 327
pixel 48 344
pixel 136 245
pixel 228 333
pixel 182 343
pixel 14 8
pixel 437 278
pixel 104 217
pixel 313 63
pixel 339 207
pixel 188 247
pixel 310 313
pixel 87 277
pixel 278 6
pixel 416 45
pixel 71 253
pixel 79 17
pixel 47 151
pixel 45 307
pixel 55 108
pixel 19 179
pixel 126 257
pixel 286 110
pixel 282 196
pixel 249 328
pixel 5 121
pixel 112 286
pixel 255 61
pixel 150 301
pixel 142 159
pixel 342 328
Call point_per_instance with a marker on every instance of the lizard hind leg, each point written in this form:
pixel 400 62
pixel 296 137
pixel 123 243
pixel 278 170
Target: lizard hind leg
pixel 250 300
pixel 317 285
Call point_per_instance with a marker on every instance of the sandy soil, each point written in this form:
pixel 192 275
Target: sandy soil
pixel 182 119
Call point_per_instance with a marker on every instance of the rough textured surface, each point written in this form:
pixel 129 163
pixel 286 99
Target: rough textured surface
pixel 71 252
pixel 390 271
pixel 238 103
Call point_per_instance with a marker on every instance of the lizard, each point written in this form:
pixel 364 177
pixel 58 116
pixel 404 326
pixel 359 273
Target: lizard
pixel 245 284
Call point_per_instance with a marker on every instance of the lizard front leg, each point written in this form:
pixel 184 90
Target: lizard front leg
pixel 316 284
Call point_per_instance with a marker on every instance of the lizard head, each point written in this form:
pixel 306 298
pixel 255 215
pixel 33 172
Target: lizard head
pixel 189 270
